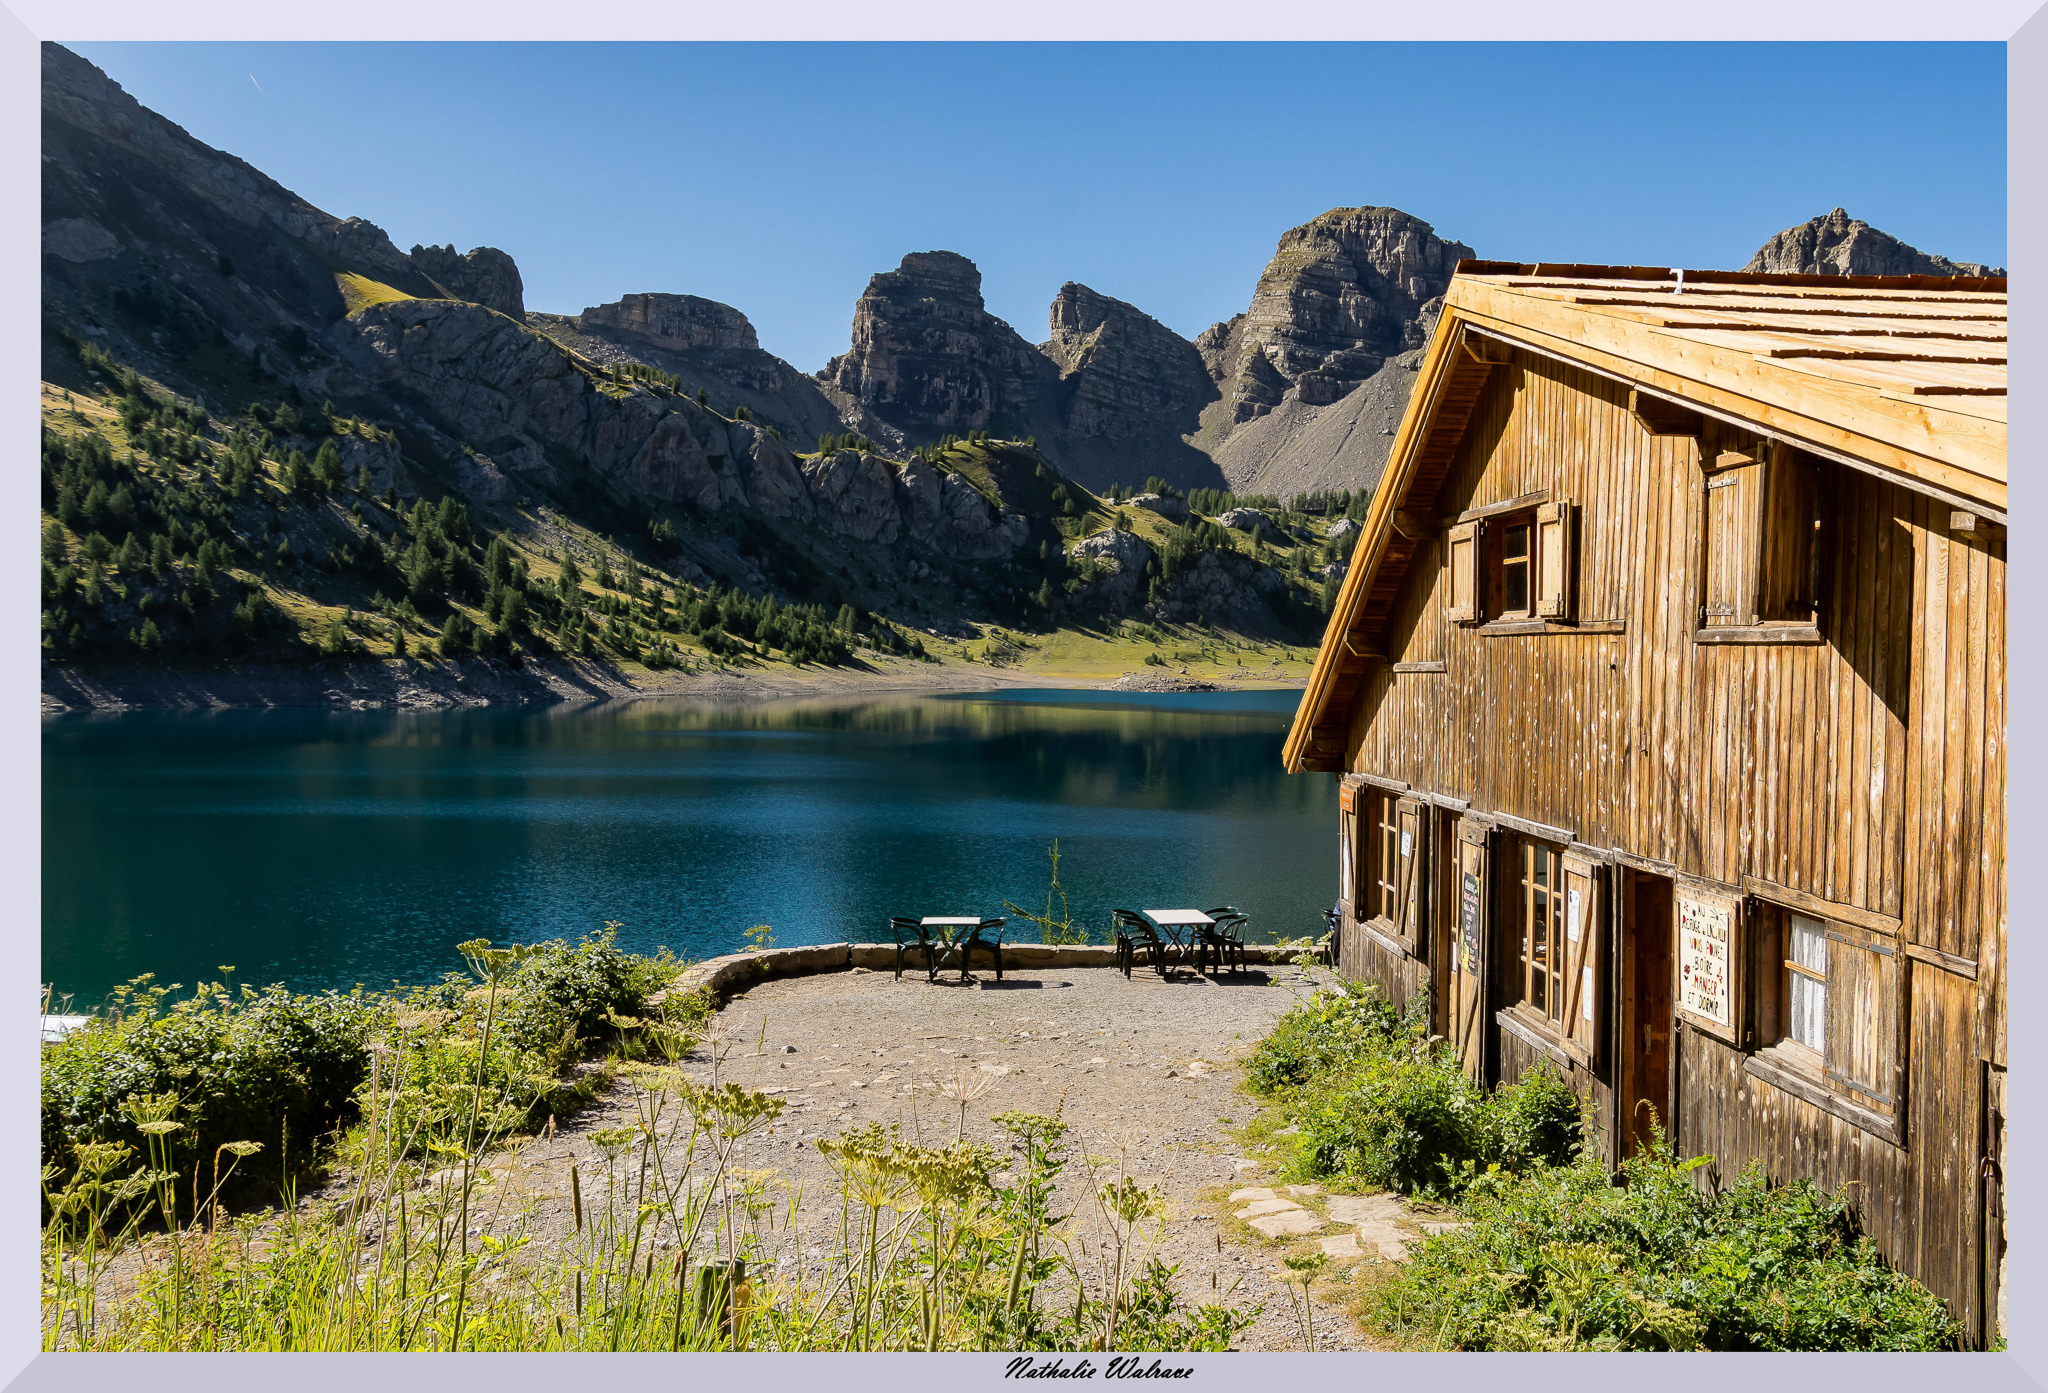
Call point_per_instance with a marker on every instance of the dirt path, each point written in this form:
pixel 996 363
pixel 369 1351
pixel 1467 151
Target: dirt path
pixel 1145 1072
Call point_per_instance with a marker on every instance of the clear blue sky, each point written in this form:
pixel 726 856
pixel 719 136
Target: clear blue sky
pixel 778 177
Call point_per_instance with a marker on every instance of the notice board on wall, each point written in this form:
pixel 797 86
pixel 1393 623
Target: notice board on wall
pixel 1708 954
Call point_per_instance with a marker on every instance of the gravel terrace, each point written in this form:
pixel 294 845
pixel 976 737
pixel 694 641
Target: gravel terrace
pixel 1145 1072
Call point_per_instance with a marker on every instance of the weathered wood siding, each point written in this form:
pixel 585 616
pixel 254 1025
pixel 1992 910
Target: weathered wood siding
pixel 1364 959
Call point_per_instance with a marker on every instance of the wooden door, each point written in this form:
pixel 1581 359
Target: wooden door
pixel 1647 981
pixel 1468 950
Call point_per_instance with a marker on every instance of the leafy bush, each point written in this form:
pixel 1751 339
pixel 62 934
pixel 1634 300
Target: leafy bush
pixel 271 1067
pixel 287 1070
pixel 1381 1106
pixel 1563 1258
pixel 1321 1036
pixel 563 989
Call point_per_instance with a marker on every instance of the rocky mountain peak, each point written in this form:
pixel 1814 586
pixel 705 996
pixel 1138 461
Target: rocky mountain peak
pixel 1344 292
pixel 938 275
pixel 1836 244
pixel 682 323
pixel 486 276
pixel 927 358
pixel 1123 374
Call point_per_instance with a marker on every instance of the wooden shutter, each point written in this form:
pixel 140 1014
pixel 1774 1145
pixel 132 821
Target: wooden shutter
pixel 1790 584
pixel 1408 870
pixel 1468 947
pixel 1733 516
pixel 1583 999
pixel 1862 1022
pixel 1554 559
pixel 1462 549
pixel 1347 842
pixel 1707 956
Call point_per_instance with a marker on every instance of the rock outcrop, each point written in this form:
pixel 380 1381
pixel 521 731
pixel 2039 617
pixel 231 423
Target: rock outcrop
pixel 1836 244
pixel 680 323
pixel 486 277
pixel 1114 561
pixel 708 346
pixel 1343 293
pixel 1124 376
pixel 929 359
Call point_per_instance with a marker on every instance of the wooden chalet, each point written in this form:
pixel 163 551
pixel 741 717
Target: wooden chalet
pixel 1667 695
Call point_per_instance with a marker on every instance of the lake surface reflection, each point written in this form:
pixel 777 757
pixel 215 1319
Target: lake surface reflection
pixel 327 848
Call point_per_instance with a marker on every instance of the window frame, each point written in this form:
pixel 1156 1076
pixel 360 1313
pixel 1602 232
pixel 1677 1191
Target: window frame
pixel 1760 546
pixel 1496 604
pixel 1861 964
pixel 1521 930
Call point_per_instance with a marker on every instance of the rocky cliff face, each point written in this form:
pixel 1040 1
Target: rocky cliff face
pixel 131 200
pixel 1836 244
pixel 522 404
pixel 929 359
pixel 681 323
pixel 708 345
pixel 1111 393
pixel 485 277
pixel 1123 375
pixel 1342 294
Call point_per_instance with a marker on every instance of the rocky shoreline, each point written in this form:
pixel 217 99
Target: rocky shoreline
pixel 411 684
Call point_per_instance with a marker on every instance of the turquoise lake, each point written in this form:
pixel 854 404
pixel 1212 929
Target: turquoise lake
pixel 322 849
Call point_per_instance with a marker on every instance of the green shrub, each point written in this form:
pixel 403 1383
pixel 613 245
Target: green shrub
pixel 1322 1035
pixel 1563 1258
pixel 1380 1106
pixel 272 1067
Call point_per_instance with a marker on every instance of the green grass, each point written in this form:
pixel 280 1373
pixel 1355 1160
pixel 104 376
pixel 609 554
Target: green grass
pixel 360 292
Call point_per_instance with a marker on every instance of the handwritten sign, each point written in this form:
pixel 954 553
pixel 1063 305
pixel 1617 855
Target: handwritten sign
pixel 1468 921
pixel 1703 947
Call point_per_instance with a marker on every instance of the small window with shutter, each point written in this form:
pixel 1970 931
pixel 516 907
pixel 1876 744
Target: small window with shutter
pixel 1761 514
pixel 1828 1014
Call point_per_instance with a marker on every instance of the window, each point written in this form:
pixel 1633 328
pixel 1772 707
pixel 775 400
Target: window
pixel 1554 948
pixel 1827 1015
pixel 1539 932
pixel 1386 869
pixel 1806 984
pixel 1762 522
pixel 1511 566
pixel 1383 888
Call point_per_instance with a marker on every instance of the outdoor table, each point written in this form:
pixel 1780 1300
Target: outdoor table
pixel 1177 923
pixel 946 924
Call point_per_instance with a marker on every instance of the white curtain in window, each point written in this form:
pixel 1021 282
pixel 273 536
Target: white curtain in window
pixel 1808 998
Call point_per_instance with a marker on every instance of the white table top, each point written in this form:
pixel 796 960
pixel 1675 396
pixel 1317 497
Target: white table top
pixel 1179 916
pixel 948 923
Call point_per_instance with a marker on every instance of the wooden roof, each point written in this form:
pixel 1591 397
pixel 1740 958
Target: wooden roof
pixel 1900 376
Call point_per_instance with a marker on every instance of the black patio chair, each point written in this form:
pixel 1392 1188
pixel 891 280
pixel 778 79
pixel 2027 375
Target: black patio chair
pixel 1135 934
pixel 1225 938
pixel 977 937
pixel 919 941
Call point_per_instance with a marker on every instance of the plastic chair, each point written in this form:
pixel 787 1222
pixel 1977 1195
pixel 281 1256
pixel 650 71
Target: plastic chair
pixel 1225 938
pixel 1134 935
pixel 974 939
pixel 919 941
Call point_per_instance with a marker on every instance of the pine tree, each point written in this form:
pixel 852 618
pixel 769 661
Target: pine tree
pixel 129 561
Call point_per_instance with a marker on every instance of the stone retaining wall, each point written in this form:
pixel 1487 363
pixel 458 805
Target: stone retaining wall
pixel 735 972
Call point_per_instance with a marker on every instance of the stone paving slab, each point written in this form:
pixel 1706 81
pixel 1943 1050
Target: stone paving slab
pixel 1290 1223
